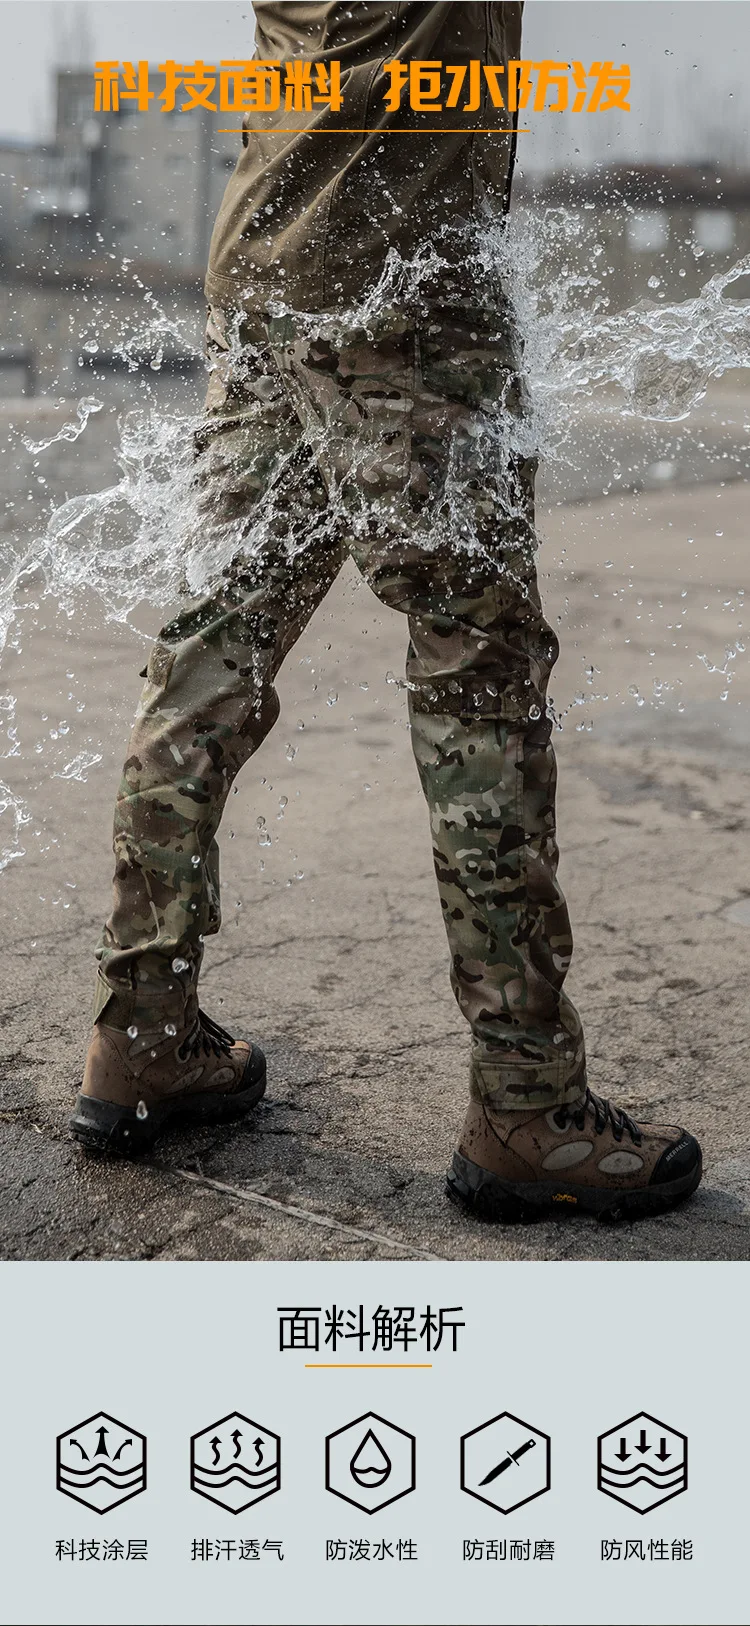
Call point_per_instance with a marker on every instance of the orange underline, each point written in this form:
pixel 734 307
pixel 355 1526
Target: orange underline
pixel 412 1366
pixel 370 129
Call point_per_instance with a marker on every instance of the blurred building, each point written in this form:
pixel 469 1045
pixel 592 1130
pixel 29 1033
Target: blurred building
pixel 142 185
pixel 117 200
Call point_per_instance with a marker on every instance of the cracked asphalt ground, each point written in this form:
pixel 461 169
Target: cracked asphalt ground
pixel 332 953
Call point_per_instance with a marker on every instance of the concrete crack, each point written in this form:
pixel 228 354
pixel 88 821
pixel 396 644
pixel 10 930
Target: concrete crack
pixel 307 1214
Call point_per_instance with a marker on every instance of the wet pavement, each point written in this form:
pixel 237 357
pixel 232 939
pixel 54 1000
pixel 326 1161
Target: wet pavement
pixel 332 953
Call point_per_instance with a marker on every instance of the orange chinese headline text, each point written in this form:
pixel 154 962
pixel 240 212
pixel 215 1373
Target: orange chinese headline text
pixel 299 86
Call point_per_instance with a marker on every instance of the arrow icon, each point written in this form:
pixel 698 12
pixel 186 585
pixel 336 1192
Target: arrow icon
pixel 101 1450
pixel 512 1457
pixel 120 1449
pixel 237 1436
pixel 662 1452
pixel 622 1453
pixel 258 1450
pixel 84 1454
pixel 215 1445
pixel 643 1443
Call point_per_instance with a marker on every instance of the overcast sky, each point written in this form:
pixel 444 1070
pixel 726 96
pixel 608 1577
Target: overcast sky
pixel 687 59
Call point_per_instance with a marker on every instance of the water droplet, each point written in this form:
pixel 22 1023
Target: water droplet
pixel 332 697
pixel 141 1110
pixel 133 1032
pixel 534 712
pixel 291 752
pixel 370 1465
pixel 180 965
pixel 170 1030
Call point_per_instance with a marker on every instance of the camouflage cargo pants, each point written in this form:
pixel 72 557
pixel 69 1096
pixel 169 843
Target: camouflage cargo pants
pixel 395 450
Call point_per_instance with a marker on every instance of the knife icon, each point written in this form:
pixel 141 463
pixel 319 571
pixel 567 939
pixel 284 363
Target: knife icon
pixel 512 1456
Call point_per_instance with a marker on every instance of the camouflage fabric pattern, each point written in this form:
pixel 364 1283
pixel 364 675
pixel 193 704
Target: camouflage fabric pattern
pixel 393 447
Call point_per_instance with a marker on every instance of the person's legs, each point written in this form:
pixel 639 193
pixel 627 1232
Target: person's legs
pixel 419 439
pixel 411 433
pixel 208 702
pixel 478 665
pixel 209 698
pixel 490 782
pixel 420 436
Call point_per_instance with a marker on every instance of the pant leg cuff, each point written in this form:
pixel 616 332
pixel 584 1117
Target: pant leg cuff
pixel 514 1089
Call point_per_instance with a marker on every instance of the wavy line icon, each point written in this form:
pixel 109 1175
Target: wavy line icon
pixel 641 1478
pixel 132 1485
pixel 117 1475
pixel 233 1476
pixel 656 1473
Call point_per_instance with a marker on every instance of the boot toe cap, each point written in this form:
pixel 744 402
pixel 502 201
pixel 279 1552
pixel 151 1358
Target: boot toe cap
pixel 678 1161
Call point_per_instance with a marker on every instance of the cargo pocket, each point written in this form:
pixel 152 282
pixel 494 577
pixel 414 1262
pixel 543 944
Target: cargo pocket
pixel 472 357
pixel 160 663
pixel 355 400
pixel 236 352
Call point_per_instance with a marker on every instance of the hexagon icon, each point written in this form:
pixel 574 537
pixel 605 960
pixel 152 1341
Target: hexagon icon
pixel 101 1462
pixel 642 1462
pixel 235 1462
pixel 370 1462
pixel 505 1462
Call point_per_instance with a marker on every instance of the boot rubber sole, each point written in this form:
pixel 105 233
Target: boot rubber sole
pixel 487 1197
pixel 103 1126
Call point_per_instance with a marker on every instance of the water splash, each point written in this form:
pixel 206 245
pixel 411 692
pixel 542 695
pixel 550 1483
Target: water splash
pixel 78 768
pixel 143 540
pixel 69 431
pixel 657 357
pixel 14 815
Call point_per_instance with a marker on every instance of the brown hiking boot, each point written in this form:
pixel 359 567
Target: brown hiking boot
pixel 138 1082
pixel 590 1156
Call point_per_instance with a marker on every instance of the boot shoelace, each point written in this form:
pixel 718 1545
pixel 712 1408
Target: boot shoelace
pixel 206 1035
pixel 604 1113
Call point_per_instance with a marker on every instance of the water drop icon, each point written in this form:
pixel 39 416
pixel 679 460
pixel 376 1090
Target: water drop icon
pixel 370 1465
pixel 370 1462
